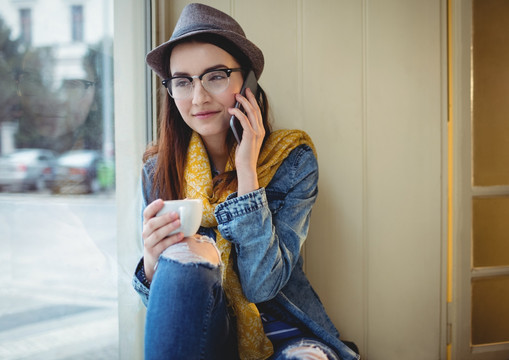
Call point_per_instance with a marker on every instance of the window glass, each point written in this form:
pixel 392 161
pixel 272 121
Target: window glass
pixel 58 262
pixel 490 79
pixel 490 314
pixel 490 140
pixel 490 231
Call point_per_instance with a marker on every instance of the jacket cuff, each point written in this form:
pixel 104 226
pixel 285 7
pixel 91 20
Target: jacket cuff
pixel 236 206
pixel 140 282
pixel 140 274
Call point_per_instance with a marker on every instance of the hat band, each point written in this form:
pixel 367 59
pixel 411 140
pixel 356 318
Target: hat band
pixel 196 27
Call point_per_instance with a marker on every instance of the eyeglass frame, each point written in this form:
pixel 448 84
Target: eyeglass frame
pixel 227 71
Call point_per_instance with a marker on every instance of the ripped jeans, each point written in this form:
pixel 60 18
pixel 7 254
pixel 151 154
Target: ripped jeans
pixel 187 314
pixel 303 349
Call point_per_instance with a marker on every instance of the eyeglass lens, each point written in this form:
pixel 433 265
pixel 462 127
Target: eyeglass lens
pixel 214 82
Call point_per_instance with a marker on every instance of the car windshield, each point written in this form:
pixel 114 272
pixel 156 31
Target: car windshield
pixel 76 159
pixel 22 156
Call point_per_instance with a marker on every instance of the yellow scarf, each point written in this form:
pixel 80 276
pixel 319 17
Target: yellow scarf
pixel 252 341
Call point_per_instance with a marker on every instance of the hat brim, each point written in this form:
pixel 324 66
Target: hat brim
pixel 155 58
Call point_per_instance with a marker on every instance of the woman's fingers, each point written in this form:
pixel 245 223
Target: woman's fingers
pixel 154 250
pixel 152 209
pixel 156 238
pixel 164 243
pixel 251 120
pixel 239 114
pixel 160 226
pixel 254 110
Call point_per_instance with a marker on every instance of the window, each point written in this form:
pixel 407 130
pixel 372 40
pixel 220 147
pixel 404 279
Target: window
pixel 77 22
pixel 490 138
pixel 481 191
pixel 25 20
pixel 57 183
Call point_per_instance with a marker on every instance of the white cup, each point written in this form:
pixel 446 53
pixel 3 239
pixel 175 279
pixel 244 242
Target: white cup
pixel 190 213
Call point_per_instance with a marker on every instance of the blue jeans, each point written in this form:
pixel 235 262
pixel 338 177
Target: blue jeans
pixel 187 317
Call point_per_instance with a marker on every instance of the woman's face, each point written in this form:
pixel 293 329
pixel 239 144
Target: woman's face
pixel 56 99
pixel 204 112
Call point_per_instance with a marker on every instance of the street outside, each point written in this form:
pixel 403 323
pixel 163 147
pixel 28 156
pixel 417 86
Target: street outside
pixel 58 276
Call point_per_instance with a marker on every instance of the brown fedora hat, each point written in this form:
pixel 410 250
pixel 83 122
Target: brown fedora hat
pixel 198 19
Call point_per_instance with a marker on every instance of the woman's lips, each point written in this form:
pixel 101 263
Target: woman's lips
pixel 205 114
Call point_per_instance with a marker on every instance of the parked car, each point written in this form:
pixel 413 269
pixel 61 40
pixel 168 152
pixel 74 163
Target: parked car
pixel 76 171
pixel 27 169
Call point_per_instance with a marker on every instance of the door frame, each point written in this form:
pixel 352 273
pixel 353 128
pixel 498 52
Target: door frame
pixel 462 192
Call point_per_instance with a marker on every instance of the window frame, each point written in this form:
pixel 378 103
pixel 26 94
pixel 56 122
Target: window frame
pixel 132 131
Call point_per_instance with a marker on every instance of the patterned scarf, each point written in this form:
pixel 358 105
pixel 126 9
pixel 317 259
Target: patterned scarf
pixel 252 341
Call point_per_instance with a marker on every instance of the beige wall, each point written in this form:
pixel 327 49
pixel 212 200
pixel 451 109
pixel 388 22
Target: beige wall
pixel 366 79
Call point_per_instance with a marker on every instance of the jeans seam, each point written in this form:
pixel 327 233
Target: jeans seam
pixel 206 326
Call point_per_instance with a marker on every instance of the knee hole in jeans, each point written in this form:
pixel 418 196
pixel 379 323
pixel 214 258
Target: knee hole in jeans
pixel 305 352
pixel 197 249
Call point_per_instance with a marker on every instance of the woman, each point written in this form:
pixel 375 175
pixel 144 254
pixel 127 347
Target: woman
pixel 253 300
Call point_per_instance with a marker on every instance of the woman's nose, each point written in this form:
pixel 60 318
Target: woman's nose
pixel 200 95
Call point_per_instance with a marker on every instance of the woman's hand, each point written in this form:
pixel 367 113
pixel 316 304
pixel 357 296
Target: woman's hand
pixel 155 231
pixel 248 150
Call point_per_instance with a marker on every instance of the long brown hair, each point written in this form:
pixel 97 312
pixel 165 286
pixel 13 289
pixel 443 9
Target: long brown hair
pixel 174 136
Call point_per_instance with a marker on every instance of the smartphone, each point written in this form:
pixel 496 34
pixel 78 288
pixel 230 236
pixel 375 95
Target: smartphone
pixel 251 83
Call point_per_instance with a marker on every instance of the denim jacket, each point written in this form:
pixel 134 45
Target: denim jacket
pixel 267 229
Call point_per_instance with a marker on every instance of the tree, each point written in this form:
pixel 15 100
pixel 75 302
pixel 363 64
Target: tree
pixel 11 53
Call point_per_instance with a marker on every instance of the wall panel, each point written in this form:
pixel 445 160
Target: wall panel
pixel 333 110
pixel 404 124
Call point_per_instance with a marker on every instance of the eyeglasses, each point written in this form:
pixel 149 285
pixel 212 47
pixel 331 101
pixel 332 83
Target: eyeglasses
pixel 31 85
pixel 214 81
